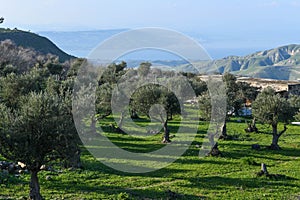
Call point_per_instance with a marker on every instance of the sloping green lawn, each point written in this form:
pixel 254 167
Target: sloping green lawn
pixel 231 176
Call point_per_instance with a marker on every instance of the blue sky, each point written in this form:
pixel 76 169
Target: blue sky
pixel 175 14
pixel 229 24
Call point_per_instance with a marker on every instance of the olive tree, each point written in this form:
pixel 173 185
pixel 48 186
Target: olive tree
pixel 212 105
pixel 271 108
pixel 146 97
pixel 40 130
pixel 237 93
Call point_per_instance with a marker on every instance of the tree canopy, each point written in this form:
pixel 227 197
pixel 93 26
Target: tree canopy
pixel 39 131
pixel 36 123
pixel 150 95
pixel 272 108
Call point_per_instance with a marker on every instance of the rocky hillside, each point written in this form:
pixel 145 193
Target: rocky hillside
pixel 278 63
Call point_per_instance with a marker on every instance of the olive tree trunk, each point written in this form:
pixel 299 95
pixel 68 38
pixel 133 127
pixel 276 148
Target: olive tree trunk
pixel 214 145
pixel 121 120
pixel 34 193
pixel 276 137
pixel 224 130
pixel 166 137
pixel 274 144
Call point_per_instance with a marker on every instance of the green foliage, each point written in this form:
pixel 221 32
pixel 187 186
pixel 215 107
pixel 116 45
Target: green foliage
pixel 249 161
pixel 18 59
pixel 103 100
pixel 6 178
pixel 123 196
pixel 204 102
pixel 36 125
pixel 297 116
pixel 144 69
pixel 147 96
pixel 112 73
pixel 198 85
pixel 39 131
pixel 271 108
pixel 237 92
pixel 13 86
pixel 295 103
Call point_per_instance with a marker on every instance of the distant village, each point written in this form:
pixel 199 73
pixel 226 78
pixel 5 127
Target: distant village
pixel 284 87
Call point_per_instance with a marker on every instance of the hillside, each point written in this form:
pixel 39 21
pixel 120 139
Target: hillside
pixel 34 41
pixel 282 63
pixel 278 63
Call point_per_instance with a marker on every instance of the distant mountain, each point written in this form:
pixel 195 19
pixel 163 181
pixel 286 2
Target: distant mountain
pixel 34 41
pixel 279 63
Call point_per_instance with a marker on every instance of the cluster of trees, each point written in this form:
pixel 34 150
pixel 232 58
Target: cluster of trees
pixel 18 59
pixel 36 126
pixel 236 94
pixel 151 87
pixel 267 106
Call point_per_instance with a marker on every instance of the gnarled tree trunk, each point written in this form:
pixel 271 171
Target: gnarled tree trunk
pixel 134 114
pixel 263 170
pixel 276 137
pixel 274 144
pixel 254 125
pixel 223 131
pixel 214 145
pixel 166 138
pixel 34 193
pixel 120 122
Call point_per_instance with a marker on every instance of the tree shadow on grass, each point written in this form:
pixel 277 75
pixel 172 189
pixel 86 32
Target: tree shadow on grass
pixel 284 154
pixel 293 152
pixel 238 151
pixel 220 183
pixel 200 161
pixel 146 192
pixel 11 179
pixel 138 148
pixel 97 166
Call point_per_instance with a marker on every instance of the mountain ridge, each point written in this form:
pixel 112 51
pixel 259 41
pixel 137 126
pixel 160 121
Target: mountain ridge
pixel 278 63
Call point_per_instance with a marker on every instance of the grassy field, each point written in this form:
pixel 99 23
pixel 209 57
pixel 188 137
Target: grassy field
pixel 231 176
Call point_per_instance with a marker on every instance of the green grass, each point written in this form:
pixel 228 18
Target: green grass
pixel 231 176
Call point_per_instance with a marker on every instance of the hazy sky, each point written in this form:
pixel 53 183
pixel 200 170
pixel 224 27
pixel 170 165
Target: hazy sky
pixel 176 14
pixel 226 24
